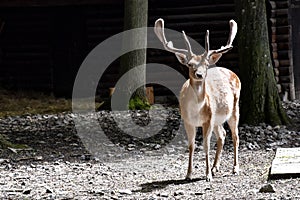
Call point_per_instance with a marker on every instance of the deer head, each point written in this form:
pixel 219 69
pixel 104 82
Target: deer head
pixel 197 64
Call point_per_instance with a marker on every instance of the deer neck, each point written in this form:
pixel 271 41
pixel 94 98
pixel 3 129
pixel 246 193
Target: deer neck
pixel 199 89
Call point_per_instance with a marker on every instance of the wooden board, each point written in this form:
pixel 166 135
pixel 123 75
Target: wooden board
pixel 286 163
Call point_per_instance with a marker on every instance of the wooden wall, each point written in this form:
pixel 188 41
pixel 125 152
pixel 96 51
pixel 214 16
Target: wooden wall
pixel 280 37
pixel 295 16
pixel 42 47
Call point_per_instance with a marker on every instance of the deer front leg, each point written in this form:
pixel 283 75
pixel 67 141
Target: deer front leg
pixel 220 135
pixel 206 129
pixel 191 133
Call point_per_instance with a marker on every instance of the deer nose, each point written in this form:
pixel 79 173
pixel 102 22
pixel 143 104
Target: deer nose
pixel 199 75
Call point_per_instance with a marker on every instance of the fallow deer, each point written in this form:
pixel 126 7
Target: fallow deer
pixel 208 99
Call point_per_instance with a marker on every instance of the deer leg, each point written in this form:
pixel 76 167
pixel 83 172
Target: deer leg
pixel 206 128
pixel 233 125
pixel 220 135
pixel 191 134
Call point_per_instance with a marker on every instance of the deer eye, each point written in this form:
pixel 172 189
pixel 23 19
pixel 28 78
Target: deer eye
pixel 189 65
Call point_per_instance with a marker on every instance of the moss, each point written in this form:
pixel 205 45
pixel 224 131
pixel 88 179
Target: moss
pixel 137 103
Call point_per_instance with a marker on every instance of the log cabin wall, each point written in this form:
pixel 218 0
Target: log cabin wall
pixel 43 45
pixel 281 43
pixel 295 16
pixel 42 48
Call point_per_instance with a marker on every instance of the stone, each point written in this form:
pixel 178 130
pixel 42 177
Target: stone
pixel 3 160
pixel 269 188
pixel 99 192
pixel 164 194
pixel 199 193
pixel 26 191
pixel 125 191
pixel 48 191
pixel 179 192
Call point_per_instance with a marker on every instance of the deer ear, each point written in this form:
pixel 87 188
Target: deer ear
pixel 182 58
pixel 214 58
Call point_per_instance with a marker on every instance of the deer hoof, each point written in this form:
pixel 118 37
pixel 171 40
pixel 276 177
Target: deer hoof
pixel 188 177
pixel 214 170
pixel 209 177
pixel 236 170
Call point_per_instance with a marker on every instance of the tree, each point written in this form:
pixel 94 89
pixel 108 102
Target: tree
pixel 136 16
pixel 260 98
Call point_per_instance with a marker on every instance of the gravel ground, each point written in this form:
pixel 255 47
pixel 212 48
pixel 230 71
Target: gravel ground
pixel 61 164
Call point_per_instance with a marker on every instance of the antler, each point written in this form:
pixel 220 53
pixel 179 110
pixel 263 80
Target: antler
pixel 159 31
pixel 223 49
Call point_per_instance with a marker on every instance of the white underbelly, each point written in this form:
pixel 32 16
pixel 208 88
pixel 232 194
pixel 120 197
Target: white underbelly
pixel 193 119
pixel 220 119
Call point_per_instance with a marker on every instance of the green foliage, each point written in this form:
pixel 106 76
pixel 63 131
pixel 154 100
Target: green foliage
pixel 136 103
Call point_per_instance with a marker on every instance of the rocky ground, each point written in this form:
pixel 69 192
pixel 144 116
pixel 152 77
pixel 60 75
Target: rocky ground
pixel 103 156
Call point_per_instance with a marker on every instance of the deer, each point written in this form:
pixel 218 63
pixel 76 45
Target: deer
pixel 208 99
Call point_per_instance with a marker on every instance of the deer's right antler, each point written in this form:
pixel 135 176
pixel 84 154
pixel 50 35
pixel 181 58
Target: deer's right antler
pixel 159 31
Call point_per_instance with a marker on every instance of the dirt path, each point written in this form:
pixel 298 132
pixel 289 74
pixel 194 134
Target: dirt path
pixel 58 166
pixel 146 177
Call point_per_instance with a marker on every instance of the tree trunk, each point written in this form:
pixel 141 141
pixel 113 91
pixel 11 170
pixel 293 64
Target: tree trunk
pixel 136 16
pixel 259 95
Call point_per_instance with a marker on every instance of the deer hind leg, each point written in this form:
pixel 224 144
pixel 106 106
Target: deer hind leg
pixel 220 135
pixel 233 125
pixel 207 130
pixel 191 134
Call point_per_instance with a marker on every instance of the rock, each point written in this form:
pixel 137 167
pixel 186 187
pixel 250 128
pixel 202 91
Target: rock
pixel 199 193
pixel 250 146
pixel 179 192
pixel 290 113
pixel 269 188
pixel 164 194
pixel 4 160
pixel 99 192
pixel 26 191
pixel 48 191
pixel 125 191
pixel 275 134
pixel 131 145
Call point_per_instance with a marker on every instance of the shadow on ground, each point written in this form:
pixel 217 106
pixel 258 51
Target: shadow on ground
pixel 149 187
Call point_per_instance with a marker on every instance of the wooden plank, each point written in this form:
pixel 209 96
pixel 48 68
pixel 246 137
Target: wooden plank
pixel 276 63
pixel 282 4
pixel 201 7
pixel 279 88
pixel 284 62
pixel 285 71
pixel 286 163
pixel 276 71
pixel 285 79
